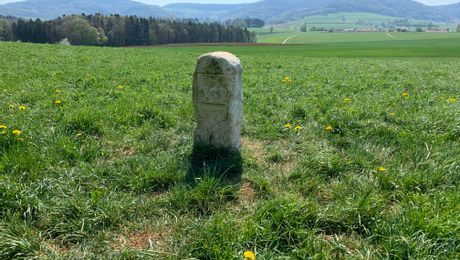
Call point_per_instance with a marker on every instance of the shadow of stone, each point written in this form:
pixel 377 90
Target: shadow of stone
pixel 224 164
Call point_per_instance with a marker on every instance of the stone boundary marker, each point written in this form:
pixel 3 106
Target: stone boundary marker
pixel 218 100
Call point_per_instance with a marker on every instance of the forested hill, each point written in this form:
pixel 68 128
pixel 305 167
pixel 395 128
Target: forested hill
pixel 273 11
pixel 291 9
pixel 281 11
pixel 452 10
pixel 205 11
pixel 50 9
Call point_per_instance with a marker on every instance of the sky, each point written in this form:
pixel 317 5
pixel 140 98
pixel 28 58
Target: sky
pixel 164 2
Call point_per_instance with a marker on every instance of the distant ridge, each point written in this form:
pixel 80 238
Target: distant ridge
pixel 452 10
pixel 281 11
pixel 273 11
pixel 204 11
pixel 49 9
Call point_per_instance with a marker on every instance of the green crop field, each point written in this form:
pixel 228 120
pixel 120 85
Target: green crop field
pixel 359 37
pixel 350 150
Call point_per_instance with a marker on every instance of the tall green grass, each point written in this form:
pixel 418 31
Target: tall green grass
pixel 111 171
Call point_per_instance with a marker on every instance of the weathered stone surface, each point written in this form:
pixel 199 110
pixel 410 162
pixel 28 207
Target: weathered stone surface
pixel 218 100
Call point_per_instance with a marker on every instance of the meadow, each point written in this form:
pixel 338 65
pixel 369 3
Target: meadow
pixel 350 150
pixel 362 38
pixel 350 20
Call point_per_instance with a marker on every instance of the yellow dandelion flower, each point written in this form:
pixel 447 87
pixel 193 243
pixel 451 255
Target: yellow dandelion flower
pixel 405 94
pixel 451 100
pixel 58 102
pixel 288 126
pixel 381 169
pixel 21 140
pixel 392 114
pixel 120 87
pixel 249 255
pixel 22 107
pixel 287 80
pixel 298 128
pixel 329 128
pixel 347 100
pixel 2 127
pixel 16 132
pixel 78 134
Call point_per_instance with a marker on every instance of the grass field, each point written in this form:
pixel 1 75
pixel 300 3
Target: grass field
pixel 355 154
pixel 361 38
pixel 346 20
pixel 363 20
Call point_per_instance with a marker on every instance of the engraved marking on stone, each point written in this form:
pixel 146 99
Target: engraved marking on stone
pixel 214 91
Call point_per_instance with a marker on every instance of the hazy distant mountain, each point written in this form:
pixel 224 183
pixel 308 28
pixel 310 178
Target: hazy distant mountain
pixel 452 10
pixel 48 9
pixel 204 11
pixel 268 10
pixel 278 11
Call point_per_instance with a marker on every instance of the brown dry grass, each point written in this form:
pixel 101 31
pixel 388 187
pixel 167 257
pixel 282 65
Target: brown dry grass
pixel 143 239
pixel 246 194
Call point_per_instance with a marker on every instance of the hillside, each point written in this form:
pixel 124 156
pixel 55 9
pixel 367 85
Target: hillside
pixel 276 11
pixel 49 9
pixel 452 10
pixel 204 11
pixel 273 11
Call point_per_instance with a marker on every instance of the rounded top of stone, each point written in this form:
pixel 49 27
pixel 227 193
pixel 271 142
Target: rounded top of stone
pixel 219 63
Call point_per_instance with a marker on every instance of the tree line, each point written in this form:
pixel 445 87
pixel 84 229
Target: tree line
pixel 116 30
pixel 246 22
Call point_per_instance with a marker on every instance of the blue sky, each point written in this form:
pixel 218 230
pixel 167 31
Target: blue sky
pixel 163 2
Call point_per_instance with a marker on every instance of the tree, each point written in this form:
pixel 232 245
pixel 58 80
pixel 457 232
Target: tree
pixel 6 33
pixel 80 32
pixel 116 30
pixel 165 33
pixel 303 28
pixel 458 28
pixel 255 22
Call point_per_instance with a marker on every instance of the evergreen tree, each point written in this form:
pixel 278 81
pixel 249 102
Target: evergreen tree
pixel 303 28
